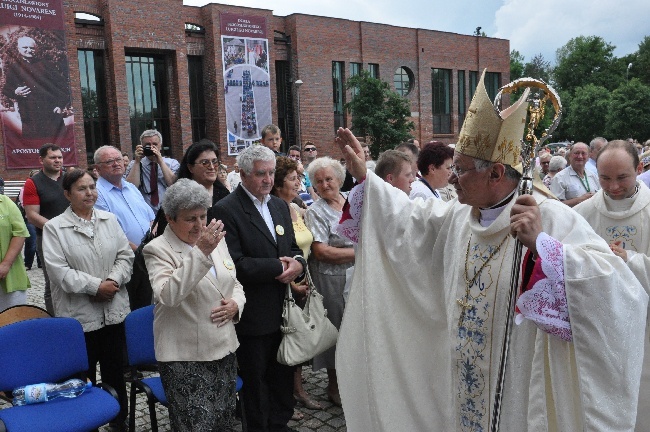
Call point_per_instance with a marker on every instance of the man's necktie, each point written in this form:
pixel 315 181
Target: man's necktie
pixel 153 184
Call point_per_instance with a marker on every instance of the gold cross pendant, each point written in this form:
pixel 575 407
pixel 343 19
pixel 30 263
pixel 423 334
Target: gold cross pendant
pixel 464 305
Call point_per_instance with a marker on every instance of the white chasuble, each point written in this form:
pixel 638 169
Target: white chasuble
pixel 405 364
pixel 628 221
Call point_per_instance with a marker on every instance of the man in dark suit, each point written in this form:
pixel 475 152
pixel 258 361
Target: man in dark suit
pixel 262 244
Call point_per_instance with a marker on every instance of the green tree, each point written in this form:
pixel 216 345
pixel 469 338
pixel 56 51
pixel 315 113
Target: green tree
pixel 586 113
pixel 587 60
pixel 378 113
pixel 539 68
pixel 629 111
pixel 516 65
pixel 561 133
pixel 641 65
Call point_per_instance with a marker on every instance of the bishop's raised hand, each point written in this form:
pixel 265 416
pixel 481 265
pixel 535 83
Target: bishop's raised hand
pixel 355 160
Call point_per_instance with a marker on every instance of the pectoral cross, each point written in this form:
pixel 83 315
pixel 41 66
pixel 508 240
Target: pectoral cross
pixel 464 305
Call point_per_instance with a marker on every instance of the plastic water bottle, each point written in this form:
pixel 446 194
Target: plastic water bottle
pixel 43 392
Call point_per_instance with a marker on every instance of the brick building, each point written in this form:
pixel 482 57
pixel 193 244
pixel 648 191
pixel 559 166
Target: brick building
pixel 139 64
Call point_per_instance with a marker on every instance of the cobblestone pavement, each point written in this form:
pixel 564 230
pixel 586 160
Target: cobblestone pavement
pixel 329 419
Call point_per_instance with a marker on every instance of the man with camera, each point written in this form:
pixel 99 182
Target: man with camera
pixel 153 173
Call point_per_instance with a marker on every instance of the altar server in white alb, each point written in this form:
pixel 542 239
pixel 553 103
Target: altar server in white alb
pixel 420 343
pixel 620 214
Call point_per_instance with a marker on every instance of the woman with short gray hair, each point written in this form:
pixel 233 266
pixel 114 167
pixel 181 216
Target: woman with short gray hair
pixel 198 299
pixel 331 254
pixel 186 195
pixel 326 162
pixel 555 165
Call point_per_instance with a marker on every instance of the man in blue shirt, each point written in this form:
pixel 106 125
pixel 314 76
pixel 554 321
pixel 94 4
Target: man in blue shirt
pixel 124 200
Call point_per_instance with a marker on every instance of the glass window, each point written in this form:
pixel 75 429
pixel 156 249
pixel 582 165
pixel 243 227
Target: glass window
pixel 285 95
pixel 338 94
pixel 473 82
pixel 355 69
pixel 146 79
pixel 82 17
pixel 93 100
pixel 194 28
pixel 197 100
pixel 462 107
pixel 441 85
pixel 492 84
pixel 403 80
pixel 373 69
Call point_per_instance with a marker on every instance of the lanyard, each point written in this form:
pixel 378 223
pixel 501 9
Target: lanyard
pixel 586 182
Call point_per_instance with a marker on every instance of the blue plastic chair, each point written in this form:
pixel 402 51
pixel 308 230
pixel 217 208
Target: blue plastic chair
pixel 138 327
pixel 50 350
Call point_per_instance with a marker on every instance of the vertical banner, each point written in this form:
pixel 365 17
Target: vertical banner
pixel 245 55
pixel 35 102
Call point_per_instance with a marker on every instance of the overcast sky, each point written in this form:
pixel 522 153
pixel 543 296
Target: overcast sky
pixel 531 26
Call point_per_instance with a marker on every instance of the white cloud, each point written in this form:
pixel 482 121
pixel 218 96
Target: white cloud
pixel 531 27
pixel 548 25
pixel 461 16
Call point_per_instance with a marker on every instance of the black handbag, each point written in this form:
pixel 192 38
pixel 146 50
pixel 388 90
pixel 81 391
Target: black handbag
pixel 139 287
pixel 138 262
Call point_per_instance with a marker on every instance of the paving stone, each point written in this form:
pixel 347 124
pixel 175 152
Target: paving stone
pixel 329 419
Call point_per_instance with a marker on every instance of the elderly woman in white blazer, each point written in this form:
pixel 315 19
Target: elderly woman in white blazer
pixel 198 300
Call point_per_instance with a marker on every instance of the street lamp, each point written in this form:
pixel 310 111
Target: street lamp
pixel 297 85
pixel 627 74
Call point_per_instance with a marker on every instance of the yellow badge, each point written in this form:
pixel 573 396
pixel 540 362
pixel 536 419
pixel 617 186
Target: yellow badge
pixel 229 264
pixel 279 229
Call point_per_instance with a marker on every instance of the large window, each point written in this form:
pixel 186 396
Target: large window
pixel 441 85
pixel 373 69
pixel 93 100
pixel 462 107
pixel 355 69
pixel 473 83
pixel 492 84
pixel 197 100
pixel 286 115
pixel 146 79
pixel 338 94
pixel 403 80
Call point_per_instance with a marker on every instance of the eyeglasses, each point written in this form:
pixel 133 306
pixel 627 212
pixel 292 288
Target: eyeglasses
pixel 112 161
pixel 207 163
pixel 294 157
pixel 459 171
pixel 310 149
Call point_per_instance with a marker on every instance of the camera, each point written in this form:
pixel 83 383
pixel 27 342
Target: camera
pixel 146 150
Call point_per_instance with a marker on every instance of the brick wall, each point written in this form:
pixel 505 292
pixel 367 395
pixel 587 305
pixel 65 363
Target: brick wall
pixel 158 28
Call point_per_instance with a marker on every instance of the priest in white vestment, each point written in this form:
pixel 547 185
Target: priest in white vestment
pixel 620 214
pixel 420 342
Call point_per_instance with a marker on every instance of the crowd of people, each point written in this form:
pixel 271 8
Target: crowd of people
pixel 411 252
pixel 248 113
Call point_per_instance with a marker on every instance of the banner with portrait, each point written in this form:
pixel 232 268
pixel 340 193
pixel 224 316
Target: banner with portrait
pixel 35 102
pixel 247 90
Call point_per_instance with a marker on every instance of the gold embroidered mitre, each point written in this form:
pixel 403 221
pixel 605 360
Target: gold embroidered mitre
pixel 489 136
